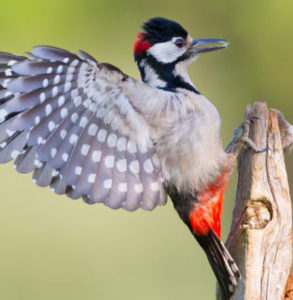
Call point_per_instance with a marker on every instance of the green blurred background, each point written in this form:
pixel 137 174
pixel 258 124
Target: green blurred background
pixel 54 248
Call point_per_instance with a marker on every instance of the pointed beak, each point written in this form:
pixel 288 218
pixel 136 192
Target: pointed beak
pixel 206 45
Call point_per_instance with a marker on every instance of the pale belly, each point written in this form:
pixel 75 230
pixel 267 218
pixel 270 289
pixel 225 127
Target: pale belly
pixel 190 150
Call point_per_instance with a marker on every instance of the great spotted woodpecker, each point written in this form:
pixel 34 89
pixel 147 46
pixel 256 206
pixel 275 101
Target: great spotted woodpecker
pixel 88 130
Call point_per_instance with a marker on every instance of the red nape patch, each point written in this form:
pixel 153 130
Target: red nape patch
pixel 142 44
pixel 207 212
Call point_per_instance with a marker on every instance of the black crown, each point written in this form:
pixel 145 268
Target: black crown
pixel 162 30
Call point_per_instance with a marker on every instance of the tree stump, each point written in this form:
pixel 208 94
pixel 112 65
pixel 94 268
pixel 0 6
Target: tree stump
pixel 260 238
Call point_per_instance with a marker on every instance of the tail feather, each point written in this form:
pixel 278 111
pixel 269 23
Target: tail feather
pixel 222 263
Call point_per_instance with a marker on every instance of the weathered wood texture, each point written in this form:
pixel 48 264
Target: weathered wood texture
pixel 289 288
pixel 260 239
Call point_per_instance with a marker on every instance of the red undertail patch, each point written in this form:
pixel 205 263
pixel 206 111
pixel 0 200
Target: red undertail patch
pixel 207 212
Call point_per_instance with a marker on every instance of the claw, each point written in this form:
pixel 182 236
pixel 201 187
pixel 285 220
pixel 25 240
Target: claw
pixel 250 143
pixel 241 137
pixel 253 118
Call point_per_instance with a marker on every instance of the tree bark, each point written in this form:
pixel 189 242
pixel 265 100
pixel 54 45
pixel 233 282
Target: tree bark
pixel 260 238
pixel 289 288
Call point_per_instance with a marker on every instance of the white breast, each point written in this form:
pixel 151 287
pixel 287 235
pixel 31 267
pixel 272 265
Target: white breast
pixel 190 147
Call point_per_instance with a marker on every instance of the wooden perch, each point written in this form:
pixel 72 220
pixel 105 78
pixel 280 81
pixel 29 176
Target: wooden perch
pixel 289 288
pixel 260 239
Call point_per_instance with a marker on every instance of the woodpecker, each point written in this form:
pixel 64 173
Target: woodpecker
pixel 88 130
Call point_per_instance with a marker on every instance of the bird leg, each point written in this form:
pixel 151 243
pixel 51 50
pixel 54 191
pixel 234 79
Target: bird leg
pixel 241 137
pixel 241 134
pixel 286 130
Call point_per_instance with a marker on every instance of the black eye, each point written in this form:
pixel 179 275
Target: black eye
pixel 179 43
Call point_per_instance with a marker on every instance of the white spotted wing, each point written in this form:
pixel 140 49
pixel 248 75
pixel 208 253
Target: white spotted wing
pixel 68 119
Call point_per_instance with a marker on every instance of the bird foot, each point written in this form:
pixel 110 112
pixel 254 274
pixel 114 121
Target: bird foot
pixel 286 130
pixel 241 137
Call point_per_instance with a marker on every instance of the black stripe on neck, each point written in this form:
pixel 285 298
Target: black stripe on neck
pixel 165 73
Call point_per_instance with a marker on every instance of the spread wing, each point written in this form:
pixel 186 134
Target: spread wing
pixel 68 119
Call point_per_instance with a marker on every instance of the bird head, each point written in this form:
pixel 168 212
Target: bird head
pixel 163 46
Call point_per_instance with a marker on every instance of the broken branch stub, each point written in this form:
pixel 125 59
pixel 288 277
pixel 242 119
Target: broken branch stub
pixel 260 239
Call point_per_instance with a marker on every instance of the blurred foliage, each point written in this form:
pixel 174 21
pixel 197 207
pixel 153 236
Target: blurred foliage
pixel 54 248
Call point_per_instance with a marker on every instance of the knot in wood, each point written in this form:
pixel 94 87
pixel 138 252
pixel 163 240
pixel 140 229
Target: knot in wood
pixel 289 295
pixel 257 215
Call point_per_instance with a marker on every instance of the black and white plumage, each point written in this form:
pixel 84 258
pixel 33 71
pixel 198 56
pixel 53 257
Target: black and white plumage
pixel 88 130
pixel 67 118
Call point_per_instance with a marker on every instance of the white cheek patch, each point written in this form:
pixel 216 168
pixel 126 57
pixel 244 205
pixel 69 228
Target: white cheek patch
pixel 166 52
